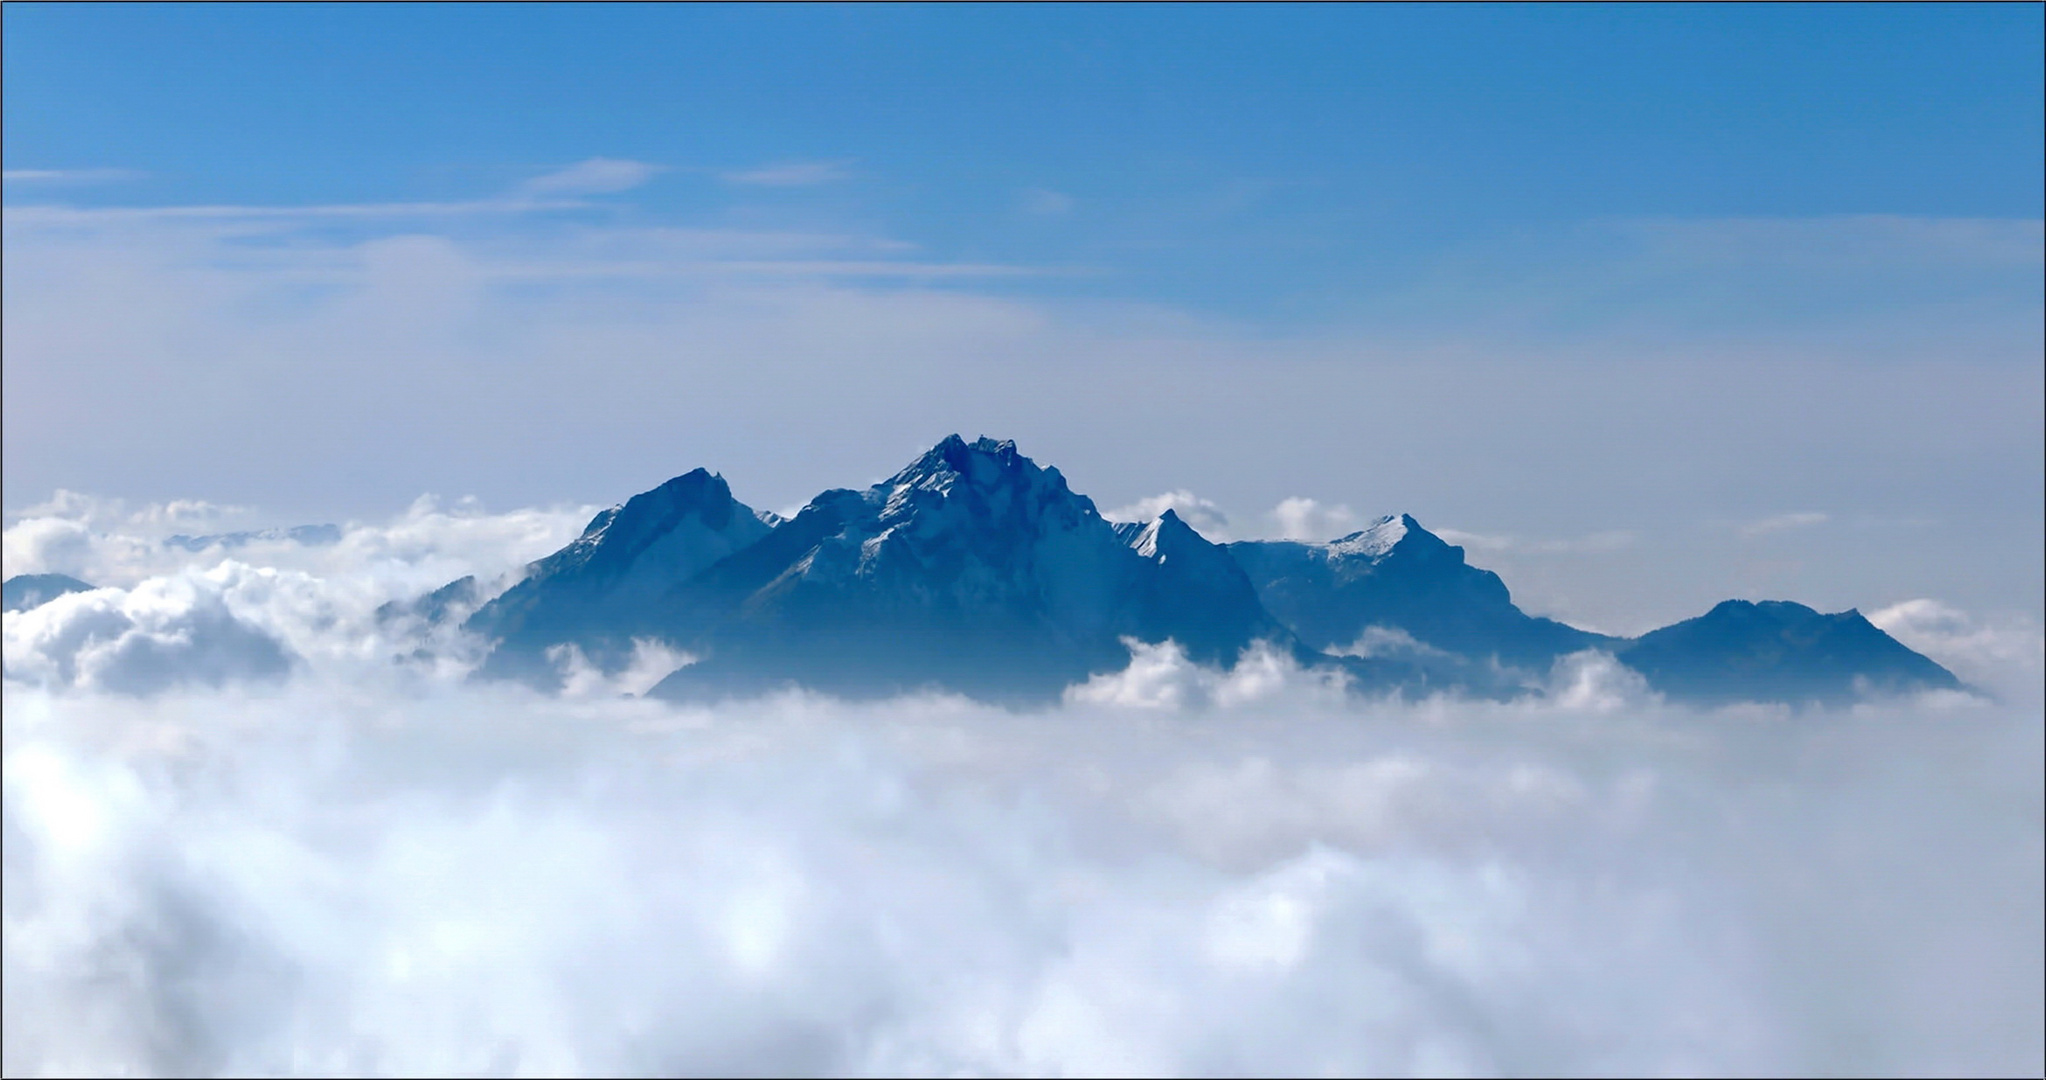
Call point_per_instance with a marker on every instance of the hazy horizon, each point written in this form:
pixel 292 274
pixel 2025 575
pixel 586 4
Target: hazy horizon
pixel 1734 303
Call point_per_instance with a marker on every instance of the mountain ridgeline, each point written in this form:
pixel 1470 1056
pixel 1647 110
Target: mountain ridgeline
pixel 976 571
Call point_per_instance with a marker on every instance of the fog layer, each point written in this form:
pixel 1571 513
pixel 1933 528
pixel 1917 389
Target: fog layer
pixel 353 860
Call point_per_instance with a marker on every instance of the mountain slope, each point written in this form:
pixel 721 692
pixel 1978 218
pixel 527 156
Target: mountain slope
pixel 600 590
pixel 1779 651
pixel 25 592
pixel 1398 576
pixel 973 569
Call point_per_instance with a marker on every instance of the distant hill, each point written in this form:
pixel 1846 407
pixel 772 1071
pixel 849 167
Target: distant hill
pixel 307 535
pixel 1779 651
pixel 28 591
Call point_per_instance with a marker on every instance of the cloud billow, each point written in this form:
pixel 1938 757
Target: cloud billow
pixel 362 862
pixel 491 880
pixel 166 633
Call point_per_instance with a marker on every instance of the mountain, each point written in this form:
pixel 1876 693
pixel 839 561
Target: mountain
pixel 975 570
pixel 28 591
pixel 1779 651
pixel 971 570
pixel 456 597
pixel 308 535
pixel 603 587
pixel 1397 576
pixel 1191 581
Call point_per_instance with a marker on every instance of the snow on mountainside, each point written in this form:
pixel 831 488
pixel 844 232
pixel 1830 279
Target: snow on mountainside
pixel 975 570
pixel 1377 540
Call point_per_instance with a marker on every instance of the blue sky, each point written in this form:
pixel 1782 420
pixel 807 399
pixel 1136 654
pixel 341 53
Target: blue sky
pixel 1754 290
pixel 1226 156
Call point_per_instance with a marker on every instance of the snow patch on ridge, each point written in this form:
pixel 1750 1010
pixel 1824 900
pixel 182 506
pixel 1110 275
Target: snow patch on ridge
pixel 1374 541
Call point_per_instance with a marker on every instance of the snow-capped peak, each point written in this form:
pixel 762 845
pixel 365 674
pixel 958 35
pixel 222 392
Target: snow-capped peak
pixel 1375 541
pixel 1147 539
pixel 662 535
pixel 1145 543
pixel 980 462
pixel 992 471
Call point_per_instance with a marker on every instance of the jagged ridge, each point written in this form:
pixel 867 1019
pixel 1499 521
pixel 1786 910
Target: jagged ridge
pixel 976 570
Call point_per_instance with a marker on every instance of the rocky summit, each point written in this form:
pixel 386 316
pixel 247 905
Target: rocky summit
pixel 975 570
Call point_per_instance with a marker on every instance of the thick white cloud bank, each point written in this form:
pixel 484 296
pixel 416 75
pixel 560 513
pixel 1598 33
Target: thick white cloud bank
pixel 347 859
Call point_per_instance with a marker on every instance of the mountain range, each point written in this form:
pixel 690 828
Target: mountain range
pixel 975 570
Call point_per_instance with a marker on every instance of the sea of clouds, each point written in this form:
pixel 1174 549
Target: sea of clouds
pixel 251 827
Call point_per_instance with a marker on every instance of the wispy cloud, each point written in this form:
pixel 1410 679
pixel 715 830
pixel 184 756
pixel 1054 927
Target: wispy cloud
pixel 1588 544
pixel 67 215
pixel 1852 240
pixel 1300 518
pixel 789 174
pixel 2006 649
pixel 68 176
pixel 514 255
pixel 596 176
pixel 1781 522
pixel 119 333
pixel 882 268
pixel 556 190
pixel 1205 517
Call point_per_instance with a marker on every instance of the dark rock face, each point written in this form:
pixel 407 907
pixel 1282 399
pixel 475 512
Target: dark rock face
pixel 1779 651
pixel 603 587
pixel 971 570
pixel 974 570
pixel 1398 575
pixel 1193 582
pixel 25 592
